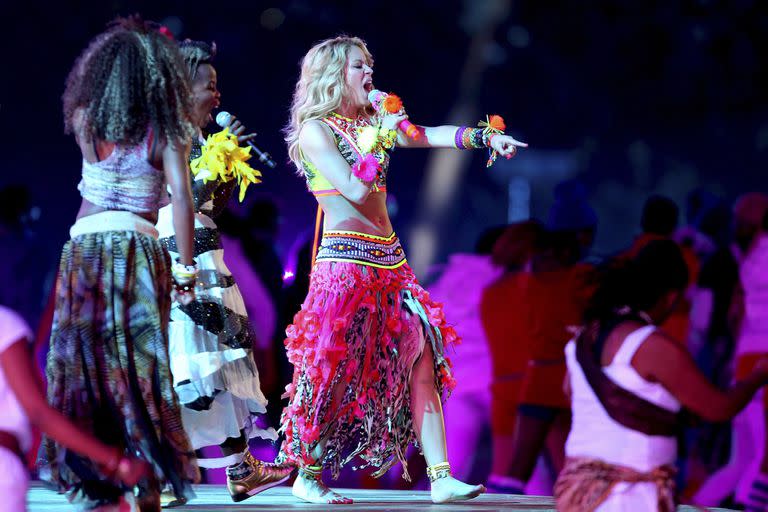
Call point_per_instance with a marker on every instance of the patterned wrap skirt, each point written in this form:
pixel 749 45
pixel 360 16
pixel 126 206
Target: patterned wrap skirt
pixel 108 366
pixel 353 344
pixel 211 346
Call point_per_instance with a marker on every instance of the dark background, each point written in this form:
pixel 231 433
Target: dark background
pixel 632 97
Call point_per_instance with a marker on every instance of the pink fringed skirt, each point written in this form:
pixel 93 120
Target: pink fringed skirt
pixel 360 331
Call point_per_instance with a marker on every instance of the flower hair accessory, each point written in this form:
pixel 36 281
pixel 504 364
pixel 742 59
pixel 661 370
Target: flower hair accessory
pixel 493 125
pixel 224 160
pixel 366 168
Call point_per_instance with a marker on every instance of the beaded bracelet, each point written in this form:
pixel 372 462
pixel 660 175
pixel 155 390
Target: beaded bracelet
pixel 469 138
pixel 184 274
pixel 474 138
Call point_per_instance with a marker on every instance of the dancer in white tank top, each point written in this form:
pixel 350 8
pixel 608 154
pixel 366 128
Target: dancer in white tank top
pixel 628 381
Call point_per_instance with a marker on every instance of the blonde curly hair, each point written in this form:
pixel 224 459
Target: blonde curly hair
pixel 131 77
pixel 321 86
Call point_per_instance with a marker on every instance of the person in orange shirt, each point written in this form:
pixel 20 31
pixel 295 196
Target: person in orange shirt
pixel 502 312
pixel 659 221
pixel 555 294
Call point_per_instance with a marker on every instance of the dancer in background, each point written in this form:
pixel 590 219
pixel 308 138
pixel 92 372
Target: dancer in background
pixel 504 315
pixel 555 294
pixel 368 345
pixel 23 405
pixel 628 382
pixel 211 340
pixel 128 103
pixel 748 431
pixel 459 289
pixel 659 221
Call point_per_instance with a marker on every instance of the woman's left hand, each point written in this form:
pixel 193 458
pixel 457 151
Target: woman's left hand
pixel 237 128
pixel 505 145
pixel 182 295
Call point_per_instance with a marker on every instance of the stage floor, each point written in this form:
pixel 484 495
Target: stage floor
pixel 215 497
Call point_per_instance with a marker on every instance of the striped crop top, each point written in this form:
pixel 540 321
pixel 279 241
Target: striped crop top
pixel 345 133
pixel 125 180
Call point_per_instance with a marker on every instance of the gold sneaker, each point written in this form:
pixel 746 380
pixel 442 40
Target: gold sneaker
pixel 170 500
pixel 262 476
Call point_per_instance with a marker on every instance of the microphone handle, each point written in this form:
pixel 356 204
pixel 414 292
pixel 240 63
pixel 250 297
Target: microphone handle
pixel 264 157
pixel 409 129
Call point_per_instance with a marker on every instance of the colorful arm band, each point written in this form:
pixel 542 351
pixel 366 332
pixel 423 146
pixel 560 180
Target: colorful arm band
pixel 469 138
pixel 474 138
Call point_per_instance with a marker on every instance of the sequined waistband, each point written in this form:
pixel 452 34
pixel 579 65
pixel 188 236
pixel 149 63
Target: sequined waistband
pixel 361 248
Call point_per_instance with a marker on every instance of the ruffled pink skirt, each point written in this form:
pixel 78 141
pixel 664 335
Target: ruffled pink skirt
pixel 353 345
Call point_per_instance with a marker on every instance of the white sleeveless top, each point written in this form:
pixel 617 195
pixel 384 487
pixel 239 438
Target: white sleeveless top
pixel 594 434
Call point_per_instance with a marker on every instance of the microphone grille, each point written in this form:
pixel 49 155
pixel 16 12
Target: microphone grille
pixel 376 97
pixel 222 118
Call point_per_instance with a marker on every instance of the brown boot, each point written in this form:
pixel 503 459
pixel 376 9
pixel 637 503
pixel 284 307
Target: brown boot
pixel 256 476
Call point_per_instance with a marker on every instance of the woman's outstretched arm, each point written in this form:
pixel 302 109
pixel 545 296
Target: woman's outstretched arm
pixel 663 360
pixel 445 137
pixel 16 364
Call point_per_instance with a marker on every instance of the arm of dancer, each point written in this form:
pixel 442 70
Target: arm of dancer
pixel 16 364
pixel 663 360
pixel 177 176
pixel 445 137
pixel 318 145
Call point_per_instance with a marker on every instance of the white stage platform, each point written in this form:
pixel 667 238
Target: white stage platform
pixel 216 498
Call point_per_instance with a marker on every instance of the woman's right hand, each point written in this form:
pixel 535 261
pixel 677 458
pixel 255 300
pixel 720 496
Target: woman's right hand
pixel 236 128
pixel 182 295
pixel 130 471
pixel 392 121
pixel 761 368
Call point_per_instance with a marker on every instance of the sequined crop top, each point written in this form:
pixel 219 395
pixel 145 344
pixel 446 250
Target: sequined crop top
pixel 125 180
pixel 344 132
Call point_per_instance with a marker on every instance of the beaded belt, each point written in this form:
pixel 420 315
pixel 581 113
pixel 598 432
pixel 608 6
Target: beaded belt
pixel 361 248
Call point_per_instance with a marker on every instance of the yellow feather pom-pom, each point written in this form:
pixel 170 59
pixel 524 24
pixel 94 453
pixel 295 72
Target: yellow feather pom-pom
pixel 225 160
pixel 367 138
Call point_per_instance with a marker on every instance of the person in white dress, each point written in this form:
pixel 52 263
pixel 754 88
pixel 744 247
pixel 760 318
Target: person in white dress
pixel 628 382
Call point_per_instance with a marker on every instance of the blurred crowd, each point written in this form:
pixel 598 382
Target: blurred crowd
pixel 517 300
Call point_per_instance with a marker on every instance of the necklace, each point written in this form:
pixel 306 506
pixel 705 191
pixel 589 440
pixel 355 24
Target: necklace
pixel 348 122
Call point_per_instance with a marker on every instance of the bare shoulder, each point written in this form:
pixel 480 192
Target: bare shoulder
pixel 315 136
pixel 660 347
pixel 661 341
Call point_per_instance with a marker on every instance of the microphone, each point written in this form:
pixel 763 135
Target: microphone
pixel 223 118
pixel 376 97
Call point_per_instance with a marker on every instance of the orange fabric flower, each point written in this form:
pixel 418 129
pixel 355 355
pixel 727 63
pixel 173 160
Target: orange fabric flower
pixel 392 104
pixel 497 122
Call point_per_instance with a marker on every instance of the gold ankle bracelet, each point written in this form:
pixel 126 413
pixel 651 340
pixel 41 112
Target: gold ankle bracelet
pixel 438 471
pixel 311 472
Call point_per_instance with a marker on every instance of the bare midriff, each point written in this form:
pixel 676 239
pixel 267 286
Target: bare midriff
pixel 88 208
pixel 371 217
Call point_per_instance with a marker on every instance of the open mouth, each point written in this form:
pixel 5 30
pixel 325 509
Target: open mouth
pixel 368 86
